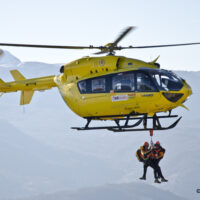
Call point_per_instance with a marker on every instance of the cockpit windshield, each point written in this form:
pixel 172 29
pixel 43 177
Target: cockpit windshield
pixel 166 80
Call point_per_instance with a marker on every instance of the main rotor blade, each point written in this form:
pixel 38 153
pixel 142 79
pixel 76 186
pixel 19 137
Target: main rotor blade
pixel 50 46
pixel 113 46
pixel 158 46
pixel 122 35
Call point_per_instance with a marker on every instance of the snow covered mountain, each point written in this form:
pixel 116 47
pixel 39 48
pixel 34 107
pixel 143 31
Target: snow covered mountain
pixel 7 59
pixel 40 154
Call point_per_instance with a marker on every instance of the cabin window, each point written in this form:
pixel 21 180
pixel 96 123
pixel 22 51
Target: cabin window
pixel 82 86
pixel 144 83
pixel 123 82
pixel 98 85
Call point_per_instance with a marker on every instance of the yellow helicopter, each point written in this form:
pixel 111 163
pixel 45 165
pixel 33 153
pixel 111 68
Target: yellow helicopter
pixel 128 91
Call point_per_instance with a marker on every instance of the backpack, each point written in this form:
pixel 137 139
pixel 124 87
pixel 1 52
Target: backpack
pixel 138 155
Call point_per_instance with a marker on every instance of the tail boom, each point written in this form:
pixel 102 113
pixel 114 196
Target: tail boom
pixel 26 86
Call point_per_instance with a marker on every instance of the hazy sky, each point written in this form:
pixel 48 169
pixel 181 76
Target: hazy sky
pixel 91 22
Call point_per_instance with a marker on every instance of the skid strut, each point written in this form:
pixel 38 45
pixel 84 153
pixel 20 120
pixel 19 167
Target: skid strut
pixel 123 122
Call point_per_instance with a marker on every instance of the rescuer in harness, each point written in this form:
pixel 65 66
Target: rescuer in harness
pixel 157 154
pixel 151 157
pixel 143 154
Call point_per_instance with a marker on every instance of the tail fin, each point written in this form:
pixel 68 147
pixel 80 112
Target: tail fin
pixel 1 81
pixel 17 75
pixel 26 97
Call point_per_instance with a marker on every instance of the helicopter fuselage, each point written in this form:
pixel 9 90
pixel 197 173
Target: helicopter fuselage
pixel 116 85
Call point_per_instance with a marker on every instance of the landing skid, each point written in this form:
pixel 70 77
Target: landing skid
pixel 122 127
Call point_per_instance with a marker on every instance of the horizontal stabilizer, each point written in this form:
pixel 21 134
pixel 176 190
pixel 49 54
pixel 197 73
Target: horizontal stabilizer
pixel 26 97
pixel 17 75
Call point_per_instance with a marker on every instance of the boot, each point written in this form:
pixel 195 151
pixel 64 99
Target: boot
pixel 157 181
pixel 143 178
pixel 164 180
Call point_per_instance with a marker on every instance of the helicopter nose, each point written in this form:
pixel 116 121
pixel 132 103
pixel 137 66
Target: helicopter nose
pixel 187 91
pixel 179 96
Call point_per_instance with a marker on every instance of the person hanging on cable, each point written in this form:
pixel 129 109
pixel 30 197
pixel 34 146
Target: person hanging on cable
pixel 143 154
pixel 157 154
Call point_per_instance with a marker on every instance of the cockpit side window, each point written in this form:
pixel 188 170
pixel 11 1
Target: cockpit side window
pixel 167 81
pixel 123 82
pixel 144 83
